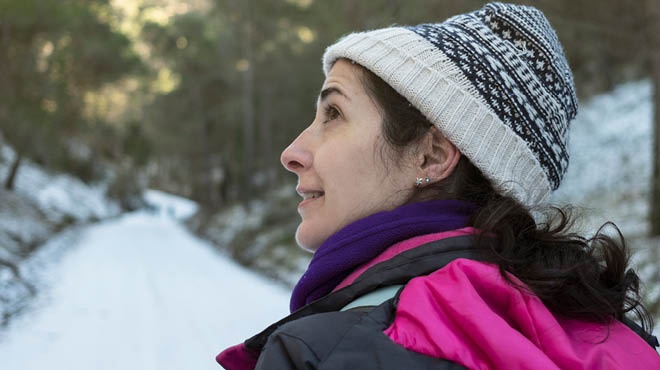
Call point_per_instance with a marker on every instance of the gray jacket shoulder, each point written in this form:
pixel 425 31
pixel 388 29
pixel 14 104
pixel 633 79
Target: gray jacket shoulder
pixel 351 339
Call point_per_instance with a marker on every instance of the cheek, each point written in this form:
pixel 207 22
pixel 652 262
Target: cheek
pixel 362 183
pixel 360 196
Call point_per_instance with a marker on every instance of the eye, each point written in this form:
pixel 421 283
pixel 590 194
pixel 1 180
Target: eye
pixel 331 113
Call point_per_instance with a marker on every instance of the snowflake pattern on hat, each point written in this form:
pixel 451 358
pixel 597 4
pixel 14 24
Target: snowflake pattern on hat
pixel 514 67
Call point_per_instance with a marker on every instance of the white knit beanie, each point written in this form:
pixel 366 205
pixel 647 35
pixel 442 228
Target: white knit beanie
pixel 494 81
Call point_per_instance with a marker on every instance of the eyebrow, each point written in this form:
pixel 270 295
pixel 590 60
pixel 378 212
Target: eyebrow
pixel 331 90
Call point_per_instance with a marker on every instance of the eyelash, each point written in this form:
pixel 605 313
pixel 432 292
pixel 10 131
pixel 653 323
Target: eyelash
pixel 331 113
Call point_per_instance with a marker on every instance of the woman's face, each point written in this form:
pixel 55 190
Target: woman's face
pixel 342 163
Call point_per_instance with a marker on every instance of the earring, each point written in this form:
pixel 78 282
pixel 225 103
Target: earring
pixel 419 181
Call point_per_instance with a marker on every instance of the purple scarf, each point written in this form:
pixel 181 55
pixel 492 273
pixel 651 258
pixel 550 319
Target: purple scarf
pixel 364 239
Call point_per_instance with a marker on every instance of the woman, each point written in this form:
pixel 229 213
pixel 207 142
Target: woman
pixel 430 147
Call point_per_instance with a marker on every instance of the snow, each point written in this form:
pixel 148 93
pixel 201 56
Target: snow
pixel 611 155
pixel 139 292
pixel 170 205
pixel 41 204
pixel 57 194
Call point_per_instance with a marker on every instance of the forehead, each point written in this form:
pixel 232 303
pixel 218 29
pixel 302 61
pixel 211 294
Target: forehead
pixel 345 76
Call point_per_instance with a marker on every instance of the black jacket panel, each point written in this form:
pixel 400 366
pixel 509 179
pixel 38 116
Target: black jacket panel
pixel 343 340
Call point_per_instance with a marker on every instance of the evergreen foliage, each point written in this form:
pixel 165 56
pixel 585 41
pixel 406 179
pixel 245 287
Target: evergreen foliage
pixel 201 96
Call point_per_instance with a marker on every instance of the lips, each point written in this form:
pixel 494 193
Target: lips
pixel 309 195
pixel 312 195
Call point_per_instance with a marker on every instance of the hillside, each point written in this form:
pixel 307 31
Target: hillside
pixel 40 206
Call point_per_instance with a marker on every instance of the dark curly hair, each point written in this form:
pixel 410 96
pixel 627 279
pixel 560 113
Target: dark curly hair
pixel 574 276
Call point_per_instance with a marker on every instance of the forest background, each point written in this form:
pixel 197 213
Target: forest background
pixel 199 97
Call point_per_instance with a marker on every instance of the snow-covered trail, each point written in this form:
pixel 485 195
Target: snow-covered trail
pixel 140 292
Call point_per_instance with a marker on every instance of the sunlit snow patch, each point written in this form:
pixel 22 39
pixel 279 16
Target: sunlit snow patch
pixel 169 204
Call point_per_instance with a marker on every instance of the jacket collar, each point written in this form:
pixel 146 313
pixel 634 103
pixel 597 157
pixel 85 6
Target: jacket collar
pixel 398 270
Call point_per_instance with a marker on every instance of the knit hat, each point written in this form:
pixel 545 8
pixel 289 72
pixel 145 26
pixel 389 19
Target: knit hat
pixel 494 81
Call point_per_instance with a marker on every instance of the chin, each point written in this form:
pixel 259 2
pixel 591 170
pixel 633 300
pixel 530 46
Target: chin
pixel 306 240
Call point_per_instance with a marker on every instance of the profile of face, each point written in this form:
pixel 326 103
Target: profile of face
pixel 343 170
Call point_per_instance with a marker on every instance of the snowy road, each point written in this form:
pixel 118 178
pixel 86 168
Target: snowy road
pixel 140 292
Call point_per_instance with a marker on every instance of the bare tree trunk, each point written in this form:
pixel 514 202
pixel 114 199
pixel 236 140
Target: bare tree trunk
pixel 210 165
pixel 248 105
pixel 207 189
pixel 653 32
pixel 267 154
pixel 9 182
pixel 6 86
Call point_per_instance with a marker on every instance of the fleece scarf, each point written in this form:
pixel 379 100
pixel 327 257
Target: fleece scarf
pixel 363 240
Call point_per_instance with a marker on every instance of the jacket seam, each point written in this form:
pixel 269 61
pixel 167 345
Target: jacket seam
pixel 283 334
pixel 413 260
pixel 340 340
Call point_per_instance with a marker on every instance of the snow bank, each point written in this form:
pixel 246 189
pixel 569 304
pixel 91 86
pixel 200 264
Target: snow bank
pixel 40 205
pixel 259 235
pixel 59 196
pixel 611 157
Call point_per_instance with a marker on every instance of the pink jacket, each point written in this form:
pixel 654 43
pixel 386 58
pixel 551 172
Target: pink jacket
pixel 467 313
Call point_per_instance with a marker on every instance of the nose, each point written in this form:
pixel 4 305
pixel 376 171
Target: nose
pixel 297 156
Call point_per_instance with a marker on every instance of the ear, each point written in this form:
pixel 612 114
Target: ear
pixel 439 156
